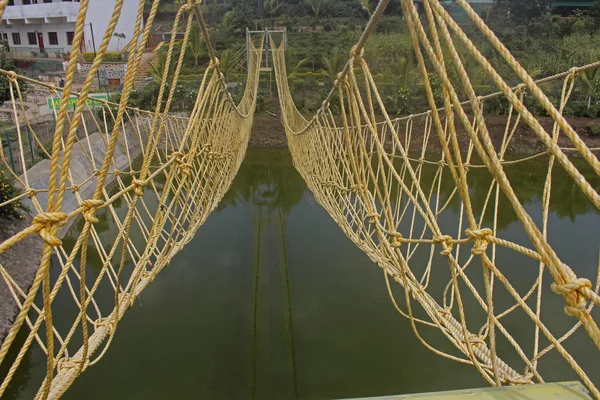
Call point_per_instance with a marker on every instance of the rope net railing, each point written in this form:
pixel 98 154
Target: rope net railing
pixel 407 197
pixel 152 176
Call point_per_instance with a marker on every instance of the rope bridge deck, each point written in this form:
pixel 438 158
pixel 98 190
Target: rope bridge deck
pixel 187 165
pixel 361 167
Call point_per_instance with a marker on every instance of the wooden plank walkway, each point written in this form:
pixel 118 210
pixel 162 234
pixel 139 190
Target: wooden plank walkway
pixel 547 391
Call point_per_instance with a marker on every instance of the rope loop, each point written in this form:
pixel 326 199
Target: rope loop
pixel 481 238
pixel 447 242
pixel 44 222
pixel 139 186
pixel 89 208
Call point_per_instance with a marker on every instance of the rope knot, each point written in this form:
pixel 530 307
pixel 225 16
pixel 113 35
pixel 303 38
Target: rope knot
pixel 214 63
pixel 89 208
pixel 67 363
pixel 356 55
pixel 396 239
pixel 102 322
pixel 76 188
pixel 12 75
pixel 474 340
pixel 441 163
pixel 139 186
pixel 569 290
pixel 421 160
pixel 44 222
pixel 31 193
pixel 481 238
pixel 447 242
pixel 373 217
pixel 518 380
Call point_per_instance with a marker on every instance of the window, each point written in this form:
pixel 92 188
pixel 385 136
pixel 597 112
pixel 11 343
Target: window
pixel 47 1
pixel 11 2
pixel 30 1
pixel 16 38
pixel 4 36
pixel 32 37
pixel 53 38
pixel 70 36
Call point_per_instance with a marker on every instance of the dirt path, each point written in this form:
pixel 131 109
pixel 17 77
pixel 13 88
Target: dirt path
pixel 268 132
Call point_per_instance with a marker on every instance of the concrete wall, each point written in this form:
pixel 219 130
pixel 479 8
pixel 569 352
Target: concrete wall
pixel 81 169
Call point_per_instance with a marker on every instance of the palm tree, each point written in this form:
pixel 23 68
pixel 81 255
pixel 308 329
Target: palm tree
pixel 195 43
pixel 368 6
pixel 334 63
pixel 226 63
pixel 270 8
pixel 589 78
pixel 316 7
pixel 290 60
pixel 158 69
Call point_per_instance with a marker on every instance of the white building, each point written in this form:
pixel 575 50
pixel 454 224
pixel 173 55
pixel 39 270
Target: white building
pixel 45 28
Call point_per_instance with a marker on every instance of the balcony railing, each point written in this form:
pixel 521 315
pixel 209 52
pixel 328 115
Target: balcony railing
pixel 66 10
pixel 36 52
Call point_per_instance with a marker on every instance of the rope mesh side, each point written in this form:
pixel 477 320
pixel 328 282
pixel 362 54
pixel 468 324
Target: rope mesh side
pixel 186 166
pixel 379 180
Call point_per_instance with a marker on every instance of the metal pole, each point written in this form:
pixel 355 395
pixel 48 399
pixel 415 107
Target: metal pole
pixel 98 70
pixel 30 145
pixel 10 153
pixel 247 50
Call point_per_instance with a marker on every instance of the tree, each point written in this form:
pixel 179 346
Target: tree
pixel 368 6
pixel 334 63
pixel 119 36
pixel 7 64
pixel 316 6
pixel 195 44
pixel 291 66
pixel 270 7
pixel 523 12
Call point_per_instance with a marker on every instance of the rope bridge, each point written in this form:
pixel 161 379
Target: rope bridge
pixel 379 180
pixel 187 164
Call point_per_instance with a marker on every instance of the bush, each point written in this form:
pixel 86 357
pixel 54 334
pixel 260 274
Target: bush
pixel 108 57
pixel 594 128
pixel 9 191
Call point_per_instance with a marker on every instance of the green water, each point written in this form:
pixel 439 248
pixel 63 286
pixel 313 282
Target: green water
pixel 271 301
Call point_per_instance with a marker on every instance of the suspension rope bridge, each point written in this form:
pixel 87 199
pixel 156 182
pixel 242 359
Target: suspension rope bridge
pixel 358 163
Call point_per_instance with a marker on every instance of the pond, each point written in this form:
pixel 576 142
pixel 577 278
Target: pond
pixel 271 300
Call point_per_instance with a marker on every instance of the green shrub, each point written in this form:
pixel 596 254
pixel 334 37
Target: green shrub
pixel 594 128
pixel 108 57
pixel 9 191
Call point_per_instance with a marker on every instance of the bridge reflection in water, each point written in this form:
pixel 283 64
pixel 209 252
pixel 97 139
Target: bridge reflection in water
pixel 271 300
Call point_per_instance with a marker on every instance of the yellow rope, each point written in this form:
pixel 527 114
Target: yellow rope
pixel 194 159
pixel 358 166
